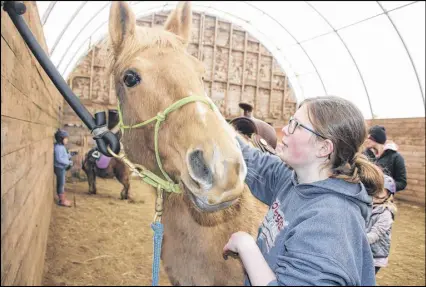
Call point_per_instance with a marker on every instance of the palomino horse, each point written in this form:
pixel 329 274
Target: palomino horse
pixel 198 148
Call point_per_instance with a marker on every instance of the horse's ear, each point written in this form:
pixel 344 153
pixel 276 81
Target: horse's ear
pixel 122 24
pixel 180 21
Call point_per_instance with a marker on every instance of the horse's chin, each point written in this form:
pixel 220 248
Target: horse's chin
pixel 202 205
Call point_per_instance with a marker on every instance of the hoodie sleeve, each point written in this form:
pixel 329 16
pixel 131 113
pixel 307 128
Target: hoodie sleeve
pixel 264 172
pixel 379 229
pixel 61 155
pixel 400 173
pixel 327 247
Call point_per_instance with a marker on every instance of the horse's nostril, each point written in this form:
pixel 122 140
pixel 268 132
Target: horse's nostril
pixel 199 170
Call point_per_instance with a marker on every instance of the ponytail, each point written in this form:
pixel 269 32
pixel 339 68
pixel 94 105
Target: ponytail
pixel 360 169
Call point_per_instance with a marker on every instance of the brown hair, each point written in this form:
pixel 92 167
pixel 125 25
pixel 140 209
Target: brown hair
pixel 342 122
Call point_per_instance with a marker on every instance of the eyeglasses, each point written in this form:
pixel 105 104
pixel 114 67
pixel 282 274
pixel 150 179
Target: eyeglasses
pixel 293 124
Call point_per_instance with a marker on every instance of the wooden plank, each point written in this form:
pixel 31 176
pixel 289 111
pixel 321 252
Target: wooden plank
pixel 22 79
pixel 75 75
pixel 416 188
pixel 16 165
pixel 214 55
pixel 257 81
pixel 25 227
pixel 271 84
pixel 284 98
pixel 21 191
pixel 200 40
pixel 419 200
pixel 91 72
pixel 415 176
pixel 31 271
pixel 25 57
pixel 19 134
pixel 15 200
pixel 229 66
pixel 14 104
pixel 244 67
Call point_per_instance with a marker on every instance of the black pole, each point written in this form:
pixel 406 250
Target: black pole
pixel 15 9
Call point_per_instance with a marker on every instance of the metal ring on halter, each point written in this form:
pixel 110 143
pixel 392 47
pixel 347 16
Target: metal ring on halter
pixel 99 131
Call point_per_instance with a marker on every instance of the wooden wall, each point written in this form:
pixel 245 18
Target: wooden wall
pixel 30 113
pixel 238 68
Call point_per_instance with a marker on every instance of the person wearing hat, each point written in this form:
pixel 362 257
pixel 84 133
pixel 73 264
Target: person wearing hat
pixel 62 162
pixel 385 154
pixel 379 227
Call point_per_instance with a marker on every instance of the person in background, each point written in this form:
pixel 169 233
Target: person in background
pixel 379 227
pixel 385 154
pixel 62 162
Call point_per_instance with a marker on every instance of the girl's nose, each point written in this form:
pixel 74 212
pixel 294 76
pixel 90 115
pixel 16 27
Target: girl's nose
pixel 285 130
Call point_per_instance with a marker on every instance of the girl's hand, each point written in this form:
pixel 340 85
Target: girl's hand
pixel 238 242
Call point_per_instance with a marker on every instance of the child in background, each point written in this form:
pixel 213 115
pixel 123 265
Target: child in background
pixel 62 162
pixel 379 228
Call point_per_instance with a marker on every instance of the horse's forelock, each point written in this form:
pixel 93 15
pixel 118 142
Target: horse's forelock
pixel 146 38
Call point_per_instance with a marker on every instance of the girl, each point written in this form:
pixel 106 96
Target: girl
pixel 379 227
pixel 314 232
pixel 62 161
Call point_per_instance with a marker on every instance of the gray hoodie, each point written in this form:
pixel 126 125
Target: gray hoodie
pixel 313 234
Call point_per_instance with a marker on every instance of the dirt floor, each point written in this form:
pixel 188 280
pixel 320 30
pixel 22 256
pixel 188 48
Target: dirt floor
pixel 103 240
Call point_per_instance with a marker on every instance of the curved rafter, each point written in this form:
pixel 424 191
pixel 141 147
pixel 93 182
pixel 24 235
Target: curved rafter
pixel 406 49
pixel 350 54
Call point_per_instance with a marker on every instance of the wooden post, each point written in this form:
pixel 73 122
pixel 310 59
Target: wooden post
pixel 257 82
pixel 284 96
pixel 214 55
pixel 200 38
pixel 229 66
pixel 91 72
pixel 152 20
pixel 71 79
pixel 244 68
pixel 271 87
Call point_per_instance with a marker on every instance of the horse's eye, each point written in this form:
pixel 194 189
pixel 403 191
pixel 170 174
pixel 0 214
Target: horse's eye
pixel 131 79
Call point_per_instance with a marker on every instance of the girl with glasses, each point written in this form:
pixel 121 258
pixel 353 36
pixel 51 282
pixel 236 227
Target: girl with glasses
pixel 319 191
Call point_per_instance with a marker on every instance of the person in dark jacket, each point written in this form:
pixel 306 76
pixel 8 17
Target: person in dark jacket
pixel 385 154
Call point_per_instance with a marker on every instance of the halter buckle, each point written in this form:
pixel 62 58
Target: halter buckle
pixel 159 205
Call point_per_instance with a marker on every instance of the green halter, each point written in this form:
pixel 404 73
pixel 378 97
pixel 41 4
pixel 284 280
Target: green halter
pixel 150 178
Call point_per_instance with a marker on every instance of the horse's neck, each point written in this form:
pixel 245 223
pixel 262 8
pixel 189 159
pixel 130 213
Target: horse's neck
pixel 184 224
pixel 192 248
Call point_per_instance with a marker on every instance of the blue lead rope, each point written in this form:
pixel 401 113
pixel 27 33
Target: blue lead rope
pixel 158 239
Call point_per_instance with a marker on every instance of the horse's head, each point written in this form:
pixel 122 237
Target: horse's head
pixel 152 70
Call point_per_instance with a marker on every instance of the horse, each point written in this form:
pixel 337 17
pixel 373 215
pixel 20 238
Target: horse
pixel 95 164
pixel 198 149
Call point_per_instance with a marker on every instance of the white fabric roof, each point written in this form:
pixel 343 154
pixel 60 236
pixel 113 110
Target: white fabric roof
pixel 372 53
